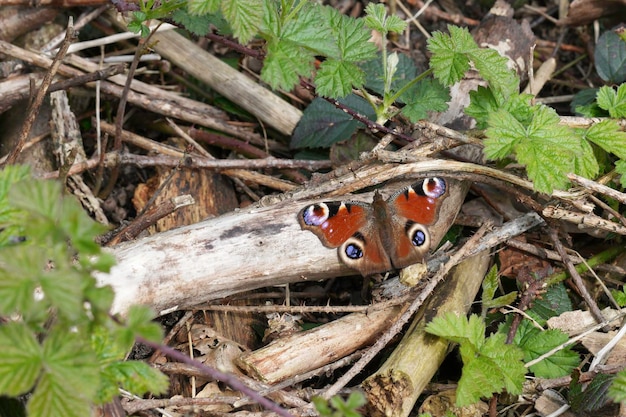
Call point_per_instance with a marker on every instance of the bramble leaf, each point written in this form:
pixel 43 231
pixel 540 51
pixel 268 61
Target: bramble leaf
pixel 21 361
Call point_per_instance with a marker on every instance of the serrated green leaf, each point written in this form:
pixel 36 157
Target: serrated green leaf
pixel 202 7
pixel 535 343
pixel 351 37
pixel 304 31
pixel 20 363
pixel 490 285
pixel 80 228
pixel 508 359
pixel 553 302
pixel 617 391
pixel 450 59
pixel 427 95
pixel 20 270
pixel 612 101
pixel 586 163
pixel 139 323
pixel 52 398
pixel 546 166
pixel 479 379
pixel 337 78
pixel 459 329
pixel 198 25
pixel 493 68
pixel 244 16
pixel 38 197
pixel 137 377
pixel 62 289
pixel 608 135
pixel 376 18
pixel 503 135
pixel 70 362
pixel 284 64
pixel 323 125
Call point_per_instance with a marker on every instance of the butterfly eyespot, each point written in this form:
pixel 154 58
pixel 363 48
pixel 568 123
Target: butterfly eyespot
pixel 434 187
pixel 315 215
pixel 353 251
pixel 418 235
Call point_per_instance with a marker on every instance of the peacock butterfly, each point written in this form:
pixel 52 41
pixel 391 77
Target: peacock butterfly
pixel 386 234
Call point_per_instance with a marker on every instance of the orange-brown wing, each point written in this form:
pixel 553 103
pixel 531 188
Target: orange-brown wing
pixel 412 210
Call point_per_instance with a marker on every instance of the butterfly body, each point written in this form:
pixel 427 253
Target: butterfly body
pixel 383 235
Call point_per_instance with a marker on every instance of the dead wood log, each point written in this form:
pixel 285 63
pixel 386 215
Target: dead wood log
pixel 244 250
pixel 395 387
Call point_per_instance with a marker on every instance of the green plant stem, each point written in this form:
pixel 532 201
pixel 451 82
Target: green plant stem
pixel 408 85
pixel 601 258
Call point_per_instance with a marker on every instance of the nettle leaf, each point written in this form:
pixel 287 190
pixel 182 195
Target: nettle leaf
pixel 323 125
pixel 427 95
pixel 610 58
pixel 612 101
pixel 244 16
pixel 21 359
pixel 535 342
pixel 450 59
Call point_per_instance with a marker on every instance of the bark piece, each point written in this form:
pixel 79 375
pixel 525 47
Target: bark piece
pixel 306 351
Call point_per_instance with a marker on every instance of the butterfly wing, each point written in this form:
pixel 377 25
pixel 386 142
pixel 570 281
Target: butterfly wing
pixel 410 212
pixel 351 227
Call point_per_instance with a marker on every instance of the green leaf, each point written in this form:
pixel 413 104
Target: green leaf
pixel 202 7
pixel 553 302
pixel 405 72
pixel 493 68
pixel 70 362
pixel 244 16
pixel 20 360
pixel 586 163
pixel 80 228
pixel 139 323
pixel 53 398
pixel 612 101
pixel 450 59
pixel 37 197
pixel 351 37
pixel 620 168
pixel 608 135
pixel 376 18
pixel 284 64
pixel 458 329
pixel 20 270
pixel 198 25
pixel 62 289
pixel 610 58
pixel 337 78
pixel 496 367
pixel 535 343
pixel 428 95
pixel 137 377
pixel 323 125
pixel 503 135
pixel 617 391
